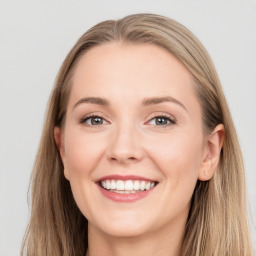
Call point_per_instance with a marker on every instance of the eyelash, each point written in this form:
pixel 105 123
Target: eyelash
pixel 169 119
pixel 90 116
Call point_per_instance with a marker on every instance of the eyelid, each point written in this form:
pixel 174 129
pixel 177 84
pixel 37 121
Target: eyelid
pixel 90 115
pixel 157 114
pixel 161 114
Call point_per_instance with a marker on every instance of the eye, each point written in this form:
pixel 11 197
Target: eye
pixel 93 120
pixel 162 121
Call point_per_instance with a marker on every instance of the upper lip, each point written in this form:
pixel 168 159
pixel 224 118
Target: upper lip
pixel 124 177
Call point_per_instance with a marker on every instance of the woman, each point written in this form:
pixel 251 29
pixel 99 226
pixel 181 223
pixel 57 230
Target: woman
pixel 139 154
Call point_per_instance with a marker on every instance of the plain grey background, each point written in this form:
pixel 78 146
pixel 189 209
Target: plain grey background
pixel 35 36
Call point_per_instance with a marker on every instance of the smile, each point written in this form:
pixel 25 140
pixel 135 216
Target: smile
pixel 126 186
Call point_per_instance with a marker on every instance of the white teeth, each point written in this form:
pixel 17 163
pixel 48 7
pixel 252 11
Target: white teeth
pixel 142 185
pixel 120 185
pixel 147 186
pixel 108 186
pixel 124 192
pixel 128 186
pixel 113 184
pixel 136 185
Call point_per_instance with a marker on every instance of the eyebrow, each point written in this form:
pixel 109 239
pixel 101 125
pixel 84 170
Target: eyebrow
pixel 145 102
pixel 158 100
pixel 93 100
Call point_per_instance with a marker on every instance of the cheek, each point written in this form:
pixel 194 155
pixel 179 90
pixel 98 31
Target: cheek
pixel 178 154
pixel 179 158
pixel 82 153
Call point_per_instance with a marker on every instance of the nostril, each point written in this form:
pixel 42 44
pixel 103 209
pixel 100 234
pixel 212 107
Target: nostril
pixel 123 159
pixel 132 158
pixel 124 148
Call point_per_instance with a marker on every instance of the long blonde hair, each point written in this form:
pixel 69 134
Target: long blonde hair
pixel 217 222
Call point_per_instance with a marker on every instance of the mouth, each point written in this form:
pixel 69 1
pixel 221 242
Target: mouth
pixel 124 188
pixel 127 186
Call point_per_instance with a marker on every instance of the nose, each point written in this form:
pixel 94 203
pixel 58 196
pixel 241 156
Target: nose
pixel 125 146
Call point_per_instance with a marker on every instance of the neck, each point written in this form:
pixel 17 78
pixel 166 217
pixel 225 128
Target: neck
pixel 166 241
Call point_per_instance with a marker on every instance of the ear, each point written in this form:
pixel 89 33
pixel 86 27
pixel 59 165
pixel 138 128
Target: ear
pixel 211 156
pixel 58 136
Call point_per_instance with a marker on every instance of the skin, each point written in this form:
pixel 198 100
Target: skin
pixel 129 141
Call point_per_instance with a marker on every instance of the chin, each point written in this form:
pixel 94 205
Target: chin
pixel 124 224
pixel 126 230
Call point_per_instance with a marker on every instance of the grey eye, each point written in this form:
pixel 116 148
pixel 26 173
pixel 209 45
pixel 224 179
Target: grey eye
pixel 94 120
pixel 161 120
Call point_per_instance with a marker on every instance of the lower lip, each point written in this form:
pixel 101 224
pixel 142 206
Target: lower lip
pixel 125 197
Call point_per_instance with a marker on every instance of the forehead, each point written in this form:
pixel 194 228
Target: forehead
pixel 119 71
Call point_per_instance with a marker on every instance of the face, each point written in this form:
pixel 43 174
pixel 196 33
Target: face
pixel 132 144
